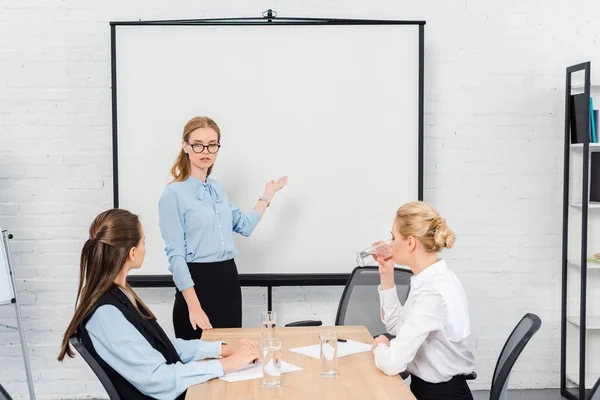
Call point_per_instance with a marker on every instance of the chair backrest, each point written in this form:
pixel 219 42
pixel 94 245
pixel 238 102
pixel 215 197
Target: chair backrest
pixel 513 347
pixel 4 394
pixel 359 304
pixel 595 395
pixel 98 370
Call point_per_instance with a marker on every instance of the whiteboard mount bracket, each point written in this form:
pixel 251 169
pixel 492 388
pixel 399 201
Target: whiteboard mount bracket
pixel 269 14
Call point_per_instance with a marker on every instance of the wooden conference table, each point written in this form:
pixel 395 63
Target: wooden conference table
pixel 358 378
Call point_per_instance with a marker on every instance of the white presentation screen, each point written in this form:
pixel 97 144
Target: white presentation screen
pixel 334 107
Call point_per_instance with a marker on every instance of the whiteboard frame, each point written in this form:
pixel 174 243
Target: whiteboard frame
pixel 262 279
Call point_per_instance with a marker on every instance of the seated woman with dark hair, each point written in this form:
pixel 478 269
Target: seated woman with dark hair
pixel 122 334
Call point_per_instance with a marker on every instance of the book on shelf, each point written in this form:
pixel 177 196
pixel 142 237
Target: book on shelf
pixel 577 117
pixel 593 137
pixel 595 177
pixel 596 122
pixel 579 103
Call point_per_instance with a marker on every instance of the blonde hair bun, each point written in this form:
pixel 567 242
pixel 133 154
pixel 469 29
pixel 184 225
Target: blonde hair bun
pixel 421 221
pixel 443 236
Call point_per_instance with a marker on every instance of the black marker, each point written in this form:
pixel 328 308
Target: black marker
pixel 342 340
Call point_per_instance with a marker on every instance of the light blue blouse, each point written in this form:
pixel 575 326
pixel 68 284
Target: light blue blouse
pixel 197 221
pixel 124 348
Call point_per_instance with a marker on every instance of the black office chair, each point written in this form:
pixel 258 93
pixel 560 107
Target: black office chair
pixel 359 304
pixel 4 394
pixel 513 347
pixel 595 394
pixel 98 370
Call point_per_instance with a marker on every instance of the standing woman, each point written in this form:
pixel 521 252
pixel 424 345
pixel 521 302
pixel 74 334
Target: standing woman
pixel 197 221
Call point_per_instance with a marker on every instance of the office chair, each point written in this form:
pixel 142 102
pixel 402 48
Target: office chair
pixel 595 394
pixel 513 347
pixel 98 370
pixel 359 304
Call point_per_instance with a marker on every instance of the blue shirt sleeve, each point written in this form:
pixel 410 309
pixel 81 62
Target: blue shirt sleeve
pixel 125 349
pixel 244 224
pixel 172 229
pixel 193 350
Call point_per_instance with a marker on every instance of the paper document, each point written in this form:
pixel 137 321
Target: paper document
pixel 344 349
pixel 254 371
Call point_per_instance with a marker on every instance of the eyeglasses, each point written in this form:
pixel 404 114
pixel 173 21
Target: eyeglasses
pixel 199 147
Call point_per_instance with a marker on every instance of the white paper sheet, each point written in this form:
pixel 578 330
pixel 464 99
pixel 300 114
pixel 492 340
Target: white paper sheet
pixel 254 371
pixel 344 349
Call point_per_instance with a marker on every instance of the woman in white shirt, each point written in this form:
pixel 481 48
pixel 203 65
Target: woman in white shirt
pixel 432 327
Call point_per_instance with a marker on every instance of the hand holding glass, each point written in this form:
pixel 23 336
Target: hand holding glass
pixel 366 256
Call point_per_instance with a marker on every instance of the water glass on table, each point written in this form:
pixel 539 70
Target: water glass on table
pixel 271 364
pixel 382 249
pixel 329 353
pixel 268 322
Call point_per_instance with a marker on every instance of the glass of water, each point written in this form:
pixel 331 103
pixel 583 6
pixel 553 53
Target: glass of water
pixel 271 363
pixel 329 353
pixel 365 257
pixel 268 323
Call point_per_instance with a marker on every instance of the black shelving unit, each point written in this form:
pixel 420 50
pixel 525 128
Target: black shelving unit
pixel 580 316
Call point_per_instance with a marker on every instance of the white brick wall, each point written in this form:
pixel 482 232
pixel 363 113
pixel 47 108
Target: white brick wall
pixel 494 78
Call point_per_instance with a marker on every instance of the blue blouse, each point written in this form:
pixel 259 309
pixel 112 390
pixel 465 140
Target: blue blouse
pixel 128 352
pixel 197 221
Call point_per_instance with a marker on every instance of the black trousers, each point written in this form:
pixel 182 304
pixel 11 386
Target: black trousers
pixel 217 286
pixel 455 389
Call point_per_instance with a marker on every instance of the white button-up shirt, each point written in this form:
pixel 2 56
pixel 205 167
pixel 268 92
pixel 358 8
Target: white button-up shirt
pixel 431 328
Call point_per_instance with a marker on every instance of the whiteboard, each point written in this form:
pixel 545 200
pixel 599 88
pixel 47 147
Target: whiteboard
pixel 336 108
pixel 6 285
